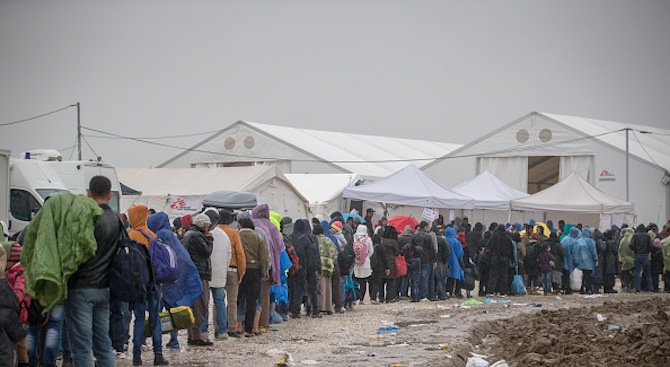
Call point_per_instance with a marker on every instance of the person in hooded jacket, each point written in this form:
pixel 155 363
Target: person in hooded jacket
pixel 345 260
pixel 556 250
pixel 428 256
pixel 403 241
pixel 256 255
pixel 199 243
pixel 610 262
pixel 656 263
pixel 311 262
pixel 328 253
pixel 586 259
pixel 665 249
pixel 626 259
pixel 363 271
pixel 11 331
pixel 455 266
pixel 335 277
pixel 568 243
pixel 601 246
pixel 442 267
pixel 502 251
pixel 391 250
pixel 641 245
pixel 188 286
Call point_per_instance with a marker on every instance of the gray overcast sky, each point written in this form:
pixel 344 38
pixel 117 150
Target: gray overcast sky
pixel 439 70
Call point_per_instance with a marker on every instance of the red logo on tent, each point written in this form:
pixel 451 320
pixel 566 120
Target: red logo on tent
pixel 604 173
pixel 178 204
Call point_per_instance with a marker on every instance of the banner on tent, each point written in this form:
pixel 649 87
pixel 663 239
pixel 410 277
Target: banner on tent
pixel 178 206
pixel 430 214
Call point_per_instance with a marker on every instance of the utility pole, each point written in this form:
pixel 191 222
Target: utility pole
pixel 79 134
pixel 627 175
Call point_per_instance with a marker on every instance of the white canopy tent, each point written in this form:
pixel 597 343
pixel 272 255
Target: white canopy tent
pixel 575 195
pixel 323 191
pixel 410 187
pixel 489 192
pixel 179 191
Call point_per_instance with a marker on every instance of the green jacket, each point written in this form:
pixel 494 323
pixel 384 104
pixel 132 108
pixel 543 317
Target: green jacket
pixel 328 253
pixel 57 241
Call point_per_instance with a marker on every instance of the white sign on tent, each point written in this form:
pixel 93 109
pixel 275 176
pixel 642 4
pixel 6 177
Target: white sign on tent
pixel 430 214
pixel 178 206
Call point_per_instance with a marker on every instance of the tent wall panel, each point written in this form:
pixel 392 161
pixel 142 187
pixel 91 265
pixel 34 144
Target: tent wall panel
pixel 511 170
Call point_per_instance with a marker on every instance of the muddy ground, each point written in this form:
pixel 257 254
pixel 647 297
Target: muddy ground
pixel 526 331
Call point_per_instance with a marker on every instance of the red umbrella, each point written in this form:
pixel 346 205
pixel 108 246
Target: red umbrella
pixel 401 221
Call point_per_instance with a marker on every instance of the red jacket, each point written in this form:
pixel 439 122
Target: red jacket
pixel 16 280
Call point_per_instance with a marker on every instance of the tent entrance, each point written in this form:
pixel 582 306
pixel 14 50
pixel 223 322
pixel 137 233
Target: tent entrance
pixel 543 172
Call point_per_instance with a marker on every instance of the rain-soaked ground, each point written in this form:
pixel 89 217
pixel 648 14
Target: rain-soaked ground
pixel 429 334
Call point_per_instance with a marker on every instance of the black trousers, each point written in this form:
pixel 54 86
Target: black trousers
pixel 565 280
pixel 498 277
pixel 483 278
pixel 312 281
pixel 337 294
pixel 388 284
pixel 376 291
pixel 608 281
pixel 363 282
pixel 296 290
pixel 454 287
pixel 587 281
pixel 250 289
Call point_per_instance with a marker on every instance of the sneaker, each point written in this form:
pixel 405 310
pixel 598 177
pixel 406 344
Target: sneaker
pixel 361 302
pixel 263 330
pixel 119 355
pixel 160 361
pixel 234 334
pixel 221 337
pixel 173 346
pixel 200 343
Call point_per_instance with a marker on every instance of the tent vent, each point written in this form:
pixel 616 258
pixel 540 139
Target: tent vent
pixel 545 135
pixel 249 142
pixel 522 136
pixel 229 143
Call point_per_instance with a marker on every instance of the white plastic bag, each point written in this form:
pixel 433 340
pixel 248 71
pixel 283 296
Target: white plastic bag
pixel 576 280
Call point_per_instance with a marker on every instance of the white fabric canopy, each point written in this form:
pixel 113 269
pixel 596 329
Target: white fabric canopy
pixel 409 186
pixel 574 194
pixel 489 192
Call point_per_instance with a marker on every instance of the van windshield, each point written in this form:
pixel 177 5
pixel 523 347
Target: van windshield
pixel 45 193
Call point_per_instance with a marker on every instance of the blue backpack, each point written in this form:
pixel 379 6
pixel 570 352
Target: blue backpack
pixel 163 260
pixel 130 277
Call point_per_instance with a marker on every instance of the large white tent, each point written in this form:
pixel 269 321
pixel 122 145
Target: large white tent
pixel 489 192
pixel 410 187
pixel 180 191
pixel 323 191
pixel 575 195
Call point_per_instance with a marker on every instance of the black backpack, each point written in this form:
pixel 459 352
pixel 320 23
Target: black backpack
pixel 130 274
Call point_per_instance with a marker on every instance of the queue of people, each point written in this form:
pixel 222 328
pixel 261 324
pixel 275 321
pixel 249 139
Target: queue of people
pixel 58 292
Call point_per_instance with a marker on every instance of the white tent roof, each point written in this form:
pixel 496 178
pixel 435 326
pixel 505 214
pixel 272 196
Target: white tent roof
pixel 489 192
pixel 409 186
pixel 196 181
pixel 573 194
pixel 652 146
pixel 321 188
pixel 383 155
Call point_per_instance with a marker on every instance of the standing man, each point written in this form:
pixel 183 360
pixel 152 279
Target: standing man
pixel 87 305
pixel 422 239
pixel 641 246
pixel 221 261
pixel 199 244
pixel 369 213
pixel 236 268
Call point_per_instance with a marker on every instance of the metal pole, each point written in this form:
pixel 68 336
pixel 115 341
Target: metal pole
pixel 627 176
pixel 78 132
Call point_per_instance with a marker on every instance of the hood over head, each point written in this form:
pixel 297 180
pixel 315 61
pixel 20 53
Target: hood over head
pixel 261 211
pixel 586 232
pixel 213 215
pixel 450 232
pixel 407 231
pixel 641 228
pixel 390 232
pixel 158 222
pixel 574 232
pixel 301 227
pixel 361 231
pixel 225 216
pixel 138 215
pixel 597 235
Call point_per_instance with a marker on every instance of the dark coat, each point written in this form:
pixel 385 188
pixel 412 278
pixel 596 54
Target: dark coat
pixel 200 248
pixel 611 257
pixel 423 240
pixel 390 252
pixel 641 242
pixel 656 261
pixel 10 327
pixel 544 259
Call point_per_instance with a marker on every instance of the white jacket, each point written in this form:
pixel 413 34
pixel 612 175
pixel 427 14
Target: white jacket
pixel 364 270
pixel 220 258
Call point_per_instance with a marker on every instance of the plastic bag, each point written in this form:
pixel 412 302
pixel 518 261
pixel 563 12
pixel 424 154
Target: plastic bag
pixel 518 288
pixel 576 280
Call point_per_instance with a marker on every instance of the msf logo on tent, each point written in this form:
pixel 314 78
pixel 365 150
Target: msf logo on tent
pixel 606 175
pixel 178 204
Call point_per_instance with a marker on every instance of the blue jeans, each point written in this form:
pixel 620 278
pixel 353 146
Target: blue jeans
pixel 119 322
pixel 153 306
pixel 546 281
pixel 52 339
pixel 87 314
pixel 642 263
pixel 221 327
pixel 426 270
pixel 440 280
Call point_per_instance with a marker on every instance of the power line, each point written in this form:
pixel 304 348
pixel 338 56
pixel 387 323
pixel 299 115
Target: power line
pixel 38 116
pixel 194 149
pixel 157 137
pixel 89 146
pixel 643 148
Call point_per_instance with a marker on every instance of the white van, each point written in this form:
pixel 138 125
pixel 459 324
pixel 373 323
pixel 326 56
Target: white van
pixel 31 182
pixel 77 174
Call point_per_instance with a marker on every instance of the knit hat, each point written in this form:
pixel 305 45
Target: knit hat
pixel 186 221
pixel 336 225
pixel 202 221
pixel 15 253
pixel 226 216
pixel 213 215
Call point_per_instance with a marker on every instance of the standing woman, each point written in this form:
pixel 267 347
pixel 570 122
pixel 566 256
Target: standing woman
pixel 363 269
pixel 627 260
pixel 391 250
pixel 257 269
pixel 611 263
